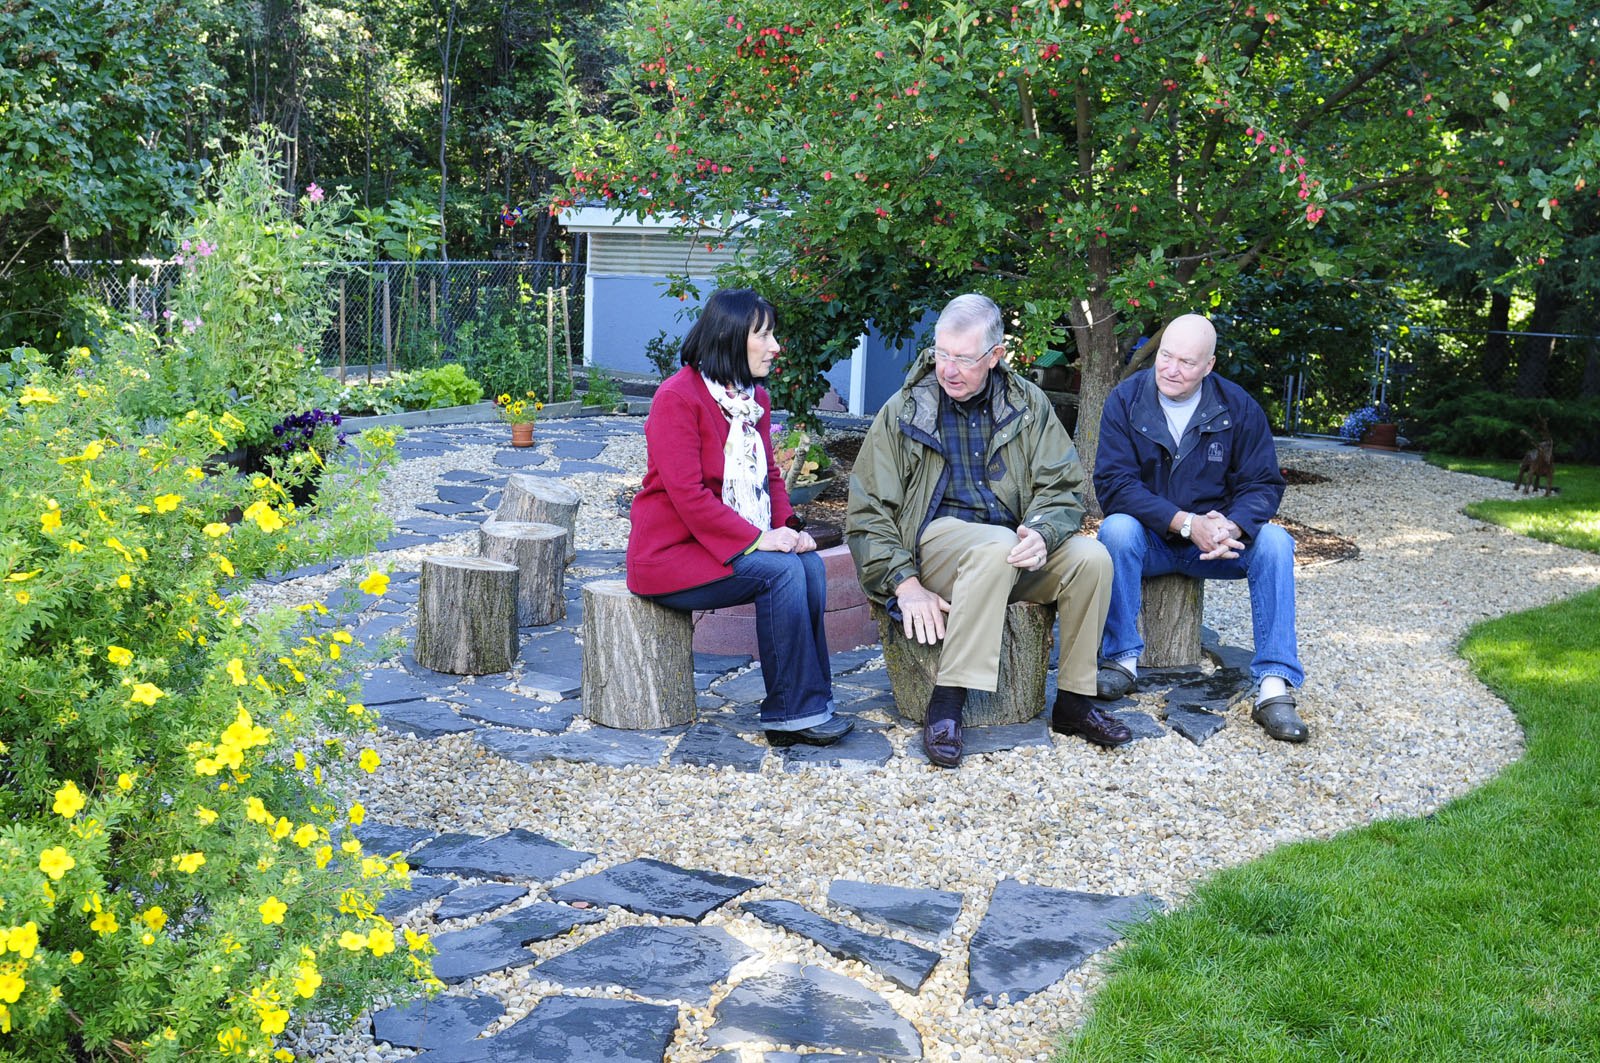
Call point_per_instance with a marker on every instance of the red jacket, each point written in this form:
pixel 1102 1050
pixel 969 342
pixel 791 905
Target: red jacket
pixel 683 534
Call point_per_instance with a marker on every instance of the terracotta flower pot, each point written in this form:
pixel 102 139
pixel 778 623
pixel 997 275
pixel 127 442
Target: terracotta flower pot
pixel 1382 437
pixel 522 435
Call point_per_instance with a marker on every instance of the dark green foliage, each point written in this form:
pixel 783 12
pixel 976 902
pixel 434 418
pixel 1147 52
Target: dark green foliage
pixel 1493 424
pixel 662 351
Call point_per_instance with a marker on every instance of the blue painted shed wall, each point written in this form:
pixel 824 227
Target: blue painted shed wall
pixel 626 312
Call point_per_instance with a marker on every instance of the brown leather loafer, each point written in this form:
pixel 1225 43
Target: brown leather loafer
pixel 1076 715
pixel 941 740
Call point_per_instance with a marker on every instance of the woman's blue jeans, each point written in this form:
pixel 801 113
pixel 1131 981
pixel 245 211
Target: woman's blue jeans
pixel 790 594
pixel 1267 565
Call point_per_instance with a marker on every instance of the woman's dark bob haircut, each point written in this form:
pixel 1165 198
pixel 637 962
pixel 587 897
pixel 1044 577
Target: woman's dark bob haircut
pixel 718 344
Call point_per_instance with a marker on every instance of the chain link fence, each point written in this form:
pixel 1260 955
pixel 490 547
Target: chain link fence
pixel 396 315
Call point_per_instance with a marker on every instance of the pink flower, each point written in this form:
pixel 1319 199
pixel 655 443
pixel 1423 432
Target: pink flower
pixel 204 249
pixel 185 246
pixel 313 193
pixel 190 326
pixel 168 315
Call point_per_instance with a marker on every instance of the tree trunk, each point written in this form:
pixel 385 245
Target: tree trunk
pixel 1170 621
pixel 638 659
pixel 1497 345
pixel 540 500
pixel 466 615
pixel 1024 661
pixel 540 553
pixel 1099 363
pixel 1533 361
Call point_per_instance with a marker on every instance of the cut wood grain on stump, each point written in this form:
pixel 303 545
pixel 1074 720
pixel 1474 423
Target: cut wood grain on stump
pixel 1169 619
pixel 638 659
pixel 1024 661
pixel 541 500
pixel 466 615
pixel 540 553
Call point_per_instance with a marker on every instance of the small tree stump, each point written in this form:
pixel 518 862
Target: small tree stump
pixel 466 615
pixel 638 659
pixel 1169 620
pixel 539 552
pixel 539 500
pixel 1024 660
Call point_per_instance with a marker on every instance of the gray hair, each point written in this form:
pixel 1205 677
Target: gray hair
pixel 972 311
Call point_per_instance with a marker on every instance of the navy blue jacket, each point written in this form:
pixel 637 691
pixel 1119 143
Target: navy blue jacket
pixel 1226 460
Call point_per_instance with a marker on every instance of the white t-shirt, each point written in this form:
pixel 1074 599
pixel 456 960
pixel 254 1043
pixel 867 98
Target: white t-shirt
pixel 1179 414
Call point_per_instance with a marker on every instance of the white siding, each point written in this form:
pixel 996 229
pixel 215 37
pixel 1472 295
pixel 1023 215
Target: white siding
pixel 648 254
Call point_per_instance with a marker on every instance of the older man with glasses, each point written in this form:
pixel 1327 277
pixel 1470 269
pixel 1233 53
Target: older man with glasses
pixel 1187 474
pixel 965 497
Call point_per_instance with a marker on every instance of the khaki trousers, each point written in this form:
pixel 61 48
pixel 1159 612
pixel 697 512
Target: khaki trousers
pixel 965 564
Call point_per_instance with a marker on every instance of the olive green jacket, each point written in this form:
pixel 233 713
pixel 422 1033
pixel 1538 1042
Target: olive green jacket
pixel 900 474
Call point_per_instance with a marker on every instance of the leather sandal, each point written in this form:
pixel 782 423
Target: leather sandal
pixel 1277 716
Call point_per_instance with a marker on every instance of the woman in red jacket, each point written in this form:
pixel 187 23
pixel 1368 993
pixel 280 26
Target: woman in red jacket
pixel 712 523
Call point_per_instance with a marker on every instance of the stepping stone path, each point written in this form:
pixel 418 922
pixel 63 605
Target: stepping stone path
pixel 1029 937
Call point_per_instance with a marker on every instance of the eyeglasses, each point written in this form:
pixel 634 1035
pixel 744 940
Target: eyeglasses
pixel 965 361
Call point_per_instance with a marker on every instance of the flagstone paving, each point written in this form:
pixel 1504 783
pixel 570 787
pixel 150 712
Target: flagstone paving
pixel 1029 936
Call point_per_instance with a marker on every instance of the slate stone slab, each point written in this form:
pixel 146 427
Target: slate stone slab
pixel 577 449
pixel 994 739
pixel 389 685
pixel 465 496
pixel 846 661
pixel 507 708
pixel 860 750
pixel 550 687
pixel 1214 693
pixel 424 888
pixel 448 509
pixel 606 747
pixel 519 459
pixel 720 663
pixel 708 746
pixel 599 559
pixel 475 900
pixel 386 838
pixel 1237 658
pixel 653 887
pixel 1032 936
pixel 431 526
pixel 749 688
pixel 555 652
pixel 1196 725
pixel 423 719
pixel 516 854
pixel 466 476
pixel 501 943
pixel 1142 724
pixel 1157 680
pixel 574 1029
pixel 931 913
pixel 439 1022
pixel 378 625
pixel 904 964
pixel 405 541
pixel 811 1006
pixel 663 962
pixel 869 679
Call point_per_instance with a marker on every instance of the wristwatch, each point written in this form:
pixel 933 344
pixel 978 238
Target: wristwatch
pixel 1188 525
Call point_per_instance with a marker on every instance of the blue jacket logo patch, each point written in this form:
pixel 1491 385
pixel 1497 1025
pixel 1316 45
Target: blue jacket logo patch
pixel 1214 452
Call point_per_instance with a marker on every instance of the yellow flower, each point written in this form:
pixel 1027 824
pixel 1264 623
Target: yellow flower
pixel 264 515
pixel 283 1055
pixel 273 1020
pixel 18 577
pixel 358 813
pixel 50 521
pixel 225 565
pixel 189 863
pixel 194 474
pixel 22 940
pixel 124 581
pixel 76 957
pixel 299 761
pixel 56 862
pixel 167 503
pixel 352 941
pixel 272 910
pixel 215 530
pixel 124 782
pixel 33 395
pixel 104 924
pixel 23 597
pixel 370 761
pixel 305 835
pixel 69 800
pixel 280 829
pixel 205 815
pixel 324 854
pixel 11 986
pixel 415 941
pixel 307 979
pixel 236 672
pixel 154 918
pixel 376 584
pixel 380 943
pixel 146 693
pixel 232 1040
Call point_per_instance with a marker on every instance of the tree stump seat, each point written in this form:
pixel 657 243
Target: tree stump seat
pixel 466 615
pixel 1024 661
pixel 539 551
pixel 638 659
pixel 1169 620
pixel 541 500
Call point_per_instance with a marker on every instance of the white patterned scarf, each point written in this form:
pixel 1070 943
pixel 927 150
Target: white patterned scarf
pixel 744 477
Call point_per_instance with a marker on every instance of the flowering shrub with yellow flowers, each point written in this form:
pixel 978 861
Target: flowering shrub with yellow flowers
pixel 178 874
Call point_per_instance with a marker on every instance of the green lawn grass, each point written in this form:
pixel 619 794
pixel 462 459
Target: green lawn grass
pixel 1570 518
pixel 1473 933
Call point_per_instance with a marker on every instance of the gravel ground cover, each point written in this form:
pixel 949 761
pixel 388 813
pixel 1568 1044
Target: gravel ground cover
pixel 1399 726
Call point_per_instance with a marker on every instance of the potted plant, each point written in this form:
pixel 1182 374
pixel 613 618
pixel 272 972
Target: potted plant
pixel 520 415
pixel 1372 426
pixel 804 462
pixel 302 447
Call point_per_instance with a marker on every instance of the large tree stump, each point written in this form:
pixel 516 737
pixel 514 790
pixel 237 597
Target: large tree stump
pixel 540 500
pixel 638 659
pixel 1024 660
pixel 1169 620
pixel 466 615
pixel 539 551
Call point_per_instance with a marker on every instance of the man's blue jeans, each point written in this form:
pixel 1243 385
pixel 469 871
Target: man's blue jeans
pixel 790 594
pixel 1267 564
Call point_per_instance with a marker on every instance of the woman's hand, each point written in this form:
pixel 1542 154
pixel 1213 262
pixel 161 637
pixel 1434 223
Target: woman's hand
pixel 786 540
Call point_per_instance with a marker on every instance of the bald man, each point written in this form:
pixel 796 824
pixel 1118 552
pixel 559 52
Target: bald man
pixel 1188 478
